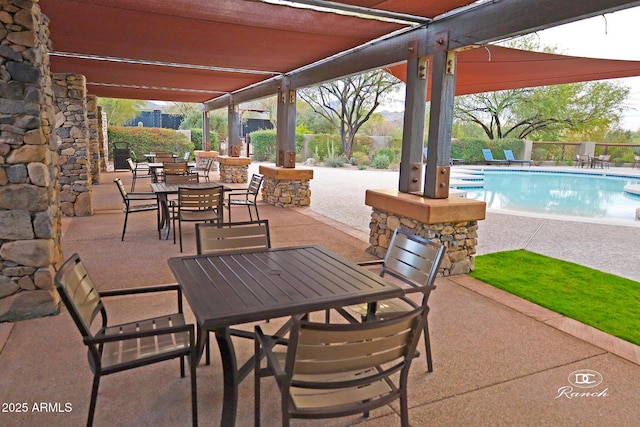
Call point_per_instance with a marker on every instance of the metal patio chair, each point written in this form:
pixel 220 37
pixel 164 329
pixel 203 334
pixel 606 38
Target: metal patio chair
pixel 138 170
pixel 198 205
pixel 132 203
pixel 246 196
pixel 414 262
pixel 116 348
pixel 336 370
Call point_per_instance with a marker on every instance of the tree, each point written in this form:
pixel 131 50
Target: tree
pixel 349 102
pixel 183 109
pixel 547 112
pixel 217 122
pixel 585 110
pixel 120 111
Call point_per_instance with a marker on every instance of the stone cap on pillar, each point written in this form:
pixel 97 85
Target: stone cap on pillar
pixel 281 173
pixel 202 154
pixel 234 161
pixel 425 210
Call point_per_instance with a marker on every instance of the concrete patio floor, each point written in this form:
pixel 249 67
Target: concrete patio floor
pixel 498 360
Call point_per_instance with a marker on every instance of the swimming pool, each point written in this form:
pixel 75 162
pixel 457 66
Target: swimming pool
pixel 552 193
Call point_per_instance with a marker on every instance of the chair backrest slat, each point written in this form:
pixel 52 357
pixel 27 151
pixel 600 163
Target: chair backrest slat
pixel 412 259
pixel 123 192
pixel 78 294
pixel 254 184
pixel 334 348
pixel 200 198
pixel 175 168
pixel 178 179
pixel 232 237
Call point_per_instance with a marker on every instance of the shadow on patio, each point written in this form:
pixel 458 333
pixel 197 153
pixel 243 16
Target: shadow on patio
pixel 493 365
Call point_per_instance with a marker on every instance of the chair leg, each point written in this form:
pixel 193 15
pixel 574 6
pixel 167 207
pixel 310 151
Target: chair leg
pixel 94 398
pixel 255 206
pixel 427 347
pixel 249 209
pixel 208 351
pixel 124 227
pixel 133 184
pixel 180 233
pixel 194 389
pixel 256 384
pixel 182 367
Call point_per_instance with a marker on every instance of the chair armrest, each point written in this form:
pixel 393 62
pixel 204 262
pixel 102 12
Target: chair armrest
pixel 141 334
pixel 266 344
pixel 141 196
pixel 146 290
pixel 373 262
pixel 149 289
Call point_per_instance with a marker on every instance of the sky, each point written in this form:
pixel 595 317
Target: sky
pixel 609 36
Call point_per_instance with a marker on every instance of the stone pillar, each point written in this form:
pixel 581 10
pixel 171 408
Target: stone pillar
pixel 94 138
pixel 73 144
pixel 452 222
pixel 286 187
pixel 30 229
pixel 234 169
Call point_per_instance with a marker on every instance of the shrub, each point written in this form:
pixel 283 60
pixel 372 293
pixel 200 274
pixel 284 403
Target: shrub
pixel 388 152
pixel 196 138
pixel 359 158
pixel 335 161
pixel 321 144
pixel 264 145
pixel 381 161
pixel 144 140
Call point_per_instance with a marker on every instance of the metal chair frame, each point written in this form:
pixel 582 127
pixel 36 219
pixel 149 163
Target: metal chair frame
pixel 198 205
pixel 414 262
pixel 246 196
pixel 336 370
pixel 116 348
pixel 131 204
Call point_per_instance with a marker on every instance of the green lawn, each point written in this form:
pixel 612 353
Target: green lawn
pixel 604 301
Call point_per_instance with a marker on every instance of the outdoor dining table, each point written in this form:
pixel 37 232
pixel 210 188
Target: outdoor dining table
pixel 163 190
pixel 231 289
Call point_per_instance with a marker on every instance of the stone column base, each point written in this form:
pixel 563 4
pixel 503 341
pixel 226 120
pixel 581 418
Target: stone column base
pixel 283 187
pixel 234 169
pixel 452 222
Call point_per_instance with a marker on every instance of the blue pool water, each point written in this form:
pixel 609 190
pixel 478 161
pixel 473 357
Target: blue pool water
pixel 565 194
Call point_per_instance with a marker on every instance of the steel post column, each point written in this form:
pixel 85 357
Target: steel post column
pixel 234 146
pixel 413 133
pixel 443 69
pixel 286 127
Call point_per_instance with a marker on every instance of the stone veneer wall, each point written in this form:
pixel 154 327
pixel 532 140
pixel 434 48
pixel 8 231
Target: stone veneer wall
pixel 234 173
pixel 460 239
pixel 73 144
pixel 286 192
pixel 94 138
pixel 30 226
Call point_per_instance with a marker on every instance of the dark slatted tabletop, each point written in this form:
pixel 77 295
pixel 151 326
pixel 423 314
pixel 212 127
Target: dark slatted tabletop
pixel 231 289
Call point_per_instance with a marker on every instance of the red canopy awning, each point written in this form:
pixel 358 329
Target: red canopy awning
pixel 491 68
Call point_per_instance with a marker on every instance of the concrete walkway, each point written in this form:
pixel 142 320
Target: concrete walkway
pixel 497 359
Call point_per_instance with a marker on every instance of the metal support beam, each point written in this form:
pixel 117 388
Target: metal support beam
pixel 413 134
pixel 484 23
pixel 206 131
pixel 235 147
pixel 443 81
pixel 286 127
